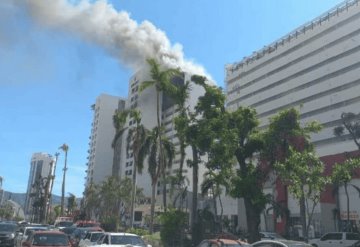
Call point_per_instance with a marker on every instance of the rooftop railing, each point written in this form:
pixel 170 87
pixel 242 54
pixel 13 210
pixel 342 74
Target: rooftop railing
pixel 344 6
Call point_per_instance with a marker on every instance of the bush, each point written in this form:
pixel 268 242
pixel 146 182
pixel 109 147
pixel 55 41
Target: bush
pixel 173 227
pixel 110 224
pixel 138 231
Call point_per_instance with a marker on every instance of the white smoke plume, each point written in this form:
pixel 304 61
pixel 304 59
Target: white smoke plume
pixel 115 31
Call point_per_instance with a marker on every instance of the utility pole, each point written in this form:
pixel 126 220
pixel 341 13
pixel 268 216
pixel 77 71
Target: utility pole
pixel 65 148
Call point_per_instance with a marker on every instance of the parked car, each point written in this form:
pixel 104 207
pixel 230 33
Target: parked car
pixel 118 239
pixel 23 232
pixel 47 238
pixel 68 230
pixel 7 234
pixel 80 233
pixel 271 235
pixel 280 243
pixel 90 239
pixel 338 239
pixel 222 242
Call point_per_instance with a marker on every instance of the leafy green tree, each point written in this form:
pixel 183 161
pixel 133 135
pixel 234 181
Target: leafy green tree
pixel 161 80
pixel 71 203
pixel 7 211
pixel 210 136
pixel 57 210
pixel 249 179
pixel 341 176
pixel 285 132
pixel 303 174
pixel 90 201
pixel 351 123
pixel 174 223
pixel 112 192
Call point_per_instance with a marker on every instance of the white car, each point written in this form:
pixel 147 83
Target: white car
pixel 336 239
pixel 271 236
pixel 118 239
pixel 280 243
pixel 90 238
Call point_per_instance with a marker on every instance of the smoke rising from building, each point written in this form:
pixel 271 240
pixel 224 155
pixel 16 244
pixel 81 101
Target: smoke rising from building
pixel 122 37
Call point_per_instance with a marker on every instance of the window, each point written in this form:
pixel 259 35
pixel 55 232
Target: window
pixel 332 236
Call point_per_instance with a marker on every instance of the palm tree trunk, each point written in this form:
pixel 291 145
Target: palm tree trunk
pixel 133 196
pixel 161 165
pixel 152 209
pixel 63 186
pixel 195 178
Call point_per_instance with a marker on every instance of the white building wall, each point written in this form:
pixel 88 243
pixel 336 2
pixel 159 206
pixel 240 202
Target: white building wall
pixel 145 102
pixel 40 166
pixel 315 68
pixel 316 71
pixel 101 153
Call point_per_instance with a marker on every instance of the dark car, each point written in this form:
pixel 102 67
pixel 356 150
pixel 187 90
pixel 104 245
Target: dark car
pixel 68 230
pixel 47 238
pixel 7 234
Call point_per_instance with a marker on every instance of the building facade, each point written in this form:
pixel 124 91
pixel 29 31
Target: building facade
pixel 315 69
pixel 1 191
pixel 146 103
pixel 42 166
pixel 101 152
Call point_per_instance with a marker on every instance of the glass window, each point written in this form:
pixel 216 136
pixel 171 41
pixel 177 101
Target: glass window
pixel 332 236
pixel 352 236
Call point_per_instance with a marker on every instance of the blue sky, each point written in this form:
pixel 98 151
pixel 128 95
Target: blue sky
pixel 49 78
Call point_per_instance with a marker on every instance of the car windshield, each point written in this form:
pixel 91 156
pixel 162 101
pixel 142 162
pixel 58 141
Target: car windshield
pixel 64 224
pixel 133 240
pixel 29 230
pixel 7 227
pixel 95 236
pixel 50 240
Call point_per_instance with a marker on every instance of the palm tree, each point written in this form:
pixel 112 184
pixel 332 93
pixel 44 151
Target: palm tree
pixel 91 200
pixel 64 148
pixel 135 140
pixel 161 80
pixel 181 122
pixel 71 205
pixel 151 149
pixel 119 121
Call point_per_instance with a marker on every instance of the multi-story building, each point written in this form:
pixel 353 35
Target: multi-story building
pixel 41 168
pixel 1 191
pixel 145 102
pixel 315 69
pixel 101 152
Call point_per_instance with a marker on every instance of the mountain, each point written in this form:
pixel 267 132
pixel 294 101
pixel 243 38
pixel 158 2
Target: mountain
pixel 21 197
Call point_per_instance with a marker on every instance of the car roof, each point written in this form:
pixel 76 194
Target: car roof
pixel 120 234
pixel 284 241
pixel 226 241
pixel 49 232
